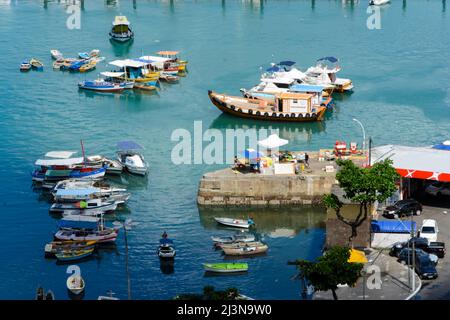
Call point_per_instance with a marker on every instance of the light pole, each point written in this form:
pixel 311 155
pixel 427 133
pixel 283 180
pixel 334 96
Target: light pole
pixel 364 133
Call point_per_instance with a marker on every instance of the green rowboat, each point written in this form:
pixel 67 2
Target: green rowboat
pixel 225 267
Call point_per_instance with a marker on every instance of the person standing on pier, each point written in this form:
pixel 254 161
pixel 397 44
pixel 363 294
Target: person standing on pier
pixel 307 160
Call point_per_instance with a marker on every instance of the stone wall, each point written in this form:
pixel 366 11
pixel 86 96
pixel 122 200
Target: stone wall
pixel 224 187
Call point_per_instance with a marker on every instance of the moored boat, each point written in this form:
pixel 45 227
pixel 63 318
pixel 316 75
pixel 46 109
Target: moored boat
pixel 101 86
pixel 121 30
pixel 36 64
pixel 75 284
pixel 88 66
pixel 245 250
pixel 288 107
pixel 166 250
pixel 84 55
pixel 237 223
pixel 53 247
pixel 238 237
pixel 225 267
pixel 73 254
pixel 101 235
pixel 25 66
pixel 237 244
pixel 56 54
pixel 92 207
pixel 378 2
pixel 131 158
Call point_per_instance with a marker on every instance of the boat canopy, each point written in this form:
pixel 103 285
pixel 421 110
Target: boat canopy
pixel 273 69
pixel 129 63
pixel 151 59
pixel 306 88
pixel 112 74
pixel 287 63
pixel 128 145
pixel 121 20
pixel 77 192
pixel 330 59
pixel 168 53
pixel 59 162
pixel 443 146
pixel 60 154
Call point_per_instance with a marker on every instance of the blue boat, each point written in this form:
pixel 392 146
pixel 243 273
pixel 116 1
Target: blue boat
pixel 102 86
pixel 87 173
pixel 84 55
pixel 72 255
pixel 75 66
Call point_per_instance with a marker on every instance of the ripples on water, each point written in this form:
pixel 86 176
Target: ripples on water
pixel 401 78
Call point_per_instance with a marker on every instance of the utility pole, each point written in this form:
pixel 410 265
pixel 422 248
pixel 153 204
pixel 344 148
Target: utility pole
pixel 413 254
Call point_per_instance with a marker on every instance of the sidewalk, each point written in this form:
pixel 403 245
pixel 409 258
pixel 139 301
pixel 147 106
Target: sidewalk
pixel 394 282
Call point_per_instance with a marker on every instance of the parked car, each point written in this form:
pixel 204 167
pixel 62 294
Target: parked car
pixel 429 230
pixel 406 255
pixel 425 268
pixel 403 208
pixel 438 188
pixel 437 248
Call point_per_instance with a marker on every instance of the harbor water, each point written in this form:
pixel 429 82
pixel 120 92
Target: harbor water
pixel 401 75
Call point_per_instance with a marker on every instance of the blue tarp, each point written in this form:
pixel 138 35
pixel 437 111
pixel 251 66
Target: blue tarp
pixel 128 145
pixel 306 88
pixel 287 63
pixel 166 241
pixel 76 192
pixel 251 154
pixel 273 69
pixel 394 226
pixel 442 146
pixel 330 59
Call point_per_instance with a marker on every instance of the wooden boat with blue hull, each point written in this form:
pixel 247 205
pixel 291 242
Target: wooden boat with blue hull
pixel 102 86
pixel 54 247
pixel 37 65
pixel 25 66
pixel 73 255
pixel 287 107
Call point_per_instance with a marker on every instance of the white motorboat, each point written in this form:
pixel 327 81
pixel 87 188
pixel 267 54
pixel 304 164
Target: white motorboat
pixel 78 190
pixel 132 159
pixel 101 235
pixel 75 284
pixel 378 2
pixel 121 30
pixel 237 223
pixel 56 54
pixel 238 237
pixel 89 207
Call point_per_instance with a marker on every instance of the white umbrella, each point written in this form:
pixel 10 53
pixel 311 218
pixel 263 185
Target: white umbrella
pixel 273 142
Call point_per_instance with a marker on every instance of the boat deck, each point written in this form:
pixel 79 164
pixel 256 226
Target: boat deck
pixel 247 104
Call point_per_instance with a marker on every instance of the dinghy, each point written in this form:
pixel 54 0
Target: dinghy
pixel 36 64
pixel 166 249
pixel 225 267
pixel 237 223
pixel 238 237
pixel 88 66
pixel 91 207
pixel 75 284
pixel 246 250
pixel 102 86
pixel 25 66
pixel 56 54
pixel 53 247
pixel 73 254
pixel 94 53
pixel 101 235
pixel 133 160
pixel 84 55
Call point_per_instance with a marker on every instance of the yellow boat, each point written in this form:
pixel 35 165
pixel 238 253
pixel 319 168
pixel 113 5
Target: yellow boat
pixel 88 67
pixel 172 55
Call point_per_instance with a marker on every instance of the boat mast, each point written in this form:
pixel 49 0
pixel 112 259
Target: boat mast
pixel 82 150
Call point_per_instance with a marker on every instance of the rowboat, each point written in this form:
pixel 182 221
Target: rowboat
pixel 75 284
pixel 36 64
pixel 101 235
pixel 238 223
pixel 132 159
pixel 144 86
pixel 56 54
pixel 166 249
pixel 88 66
pixel 90 207
pixel 73 254
pixel 76 65
pixel 167 77
pixel 121 30
pixel 225 267
pixel 378 2
pixel 94 53
pixel 237 244
pixel 287 107
pixel 102 86
pixel 246 250
pixel 53 247
pixel 25 66
pixel 84 55
pixel 238 237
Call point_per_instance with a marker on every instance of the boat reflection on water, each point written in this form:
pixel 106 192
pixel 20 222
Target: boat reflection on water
pixel 294 132
pixel 73 296
pixel 121 49
pixel 167 266
pixel 130 182
pixel 283 222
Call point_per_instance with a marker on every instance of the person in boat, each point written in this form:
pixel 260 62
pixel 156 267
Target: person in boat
pixel 164 235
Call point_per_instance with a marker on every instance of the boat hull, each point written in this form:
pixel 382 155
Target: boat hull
pixel 266 116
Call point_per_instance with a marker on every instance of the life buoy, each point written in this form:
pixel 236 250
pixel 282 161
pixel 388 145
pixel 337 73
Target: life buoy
pixel 308 115
pixel 274 114
pixel 300 115
pixel 232 107
pixel 266 114
pixel 239 110
pixel 250 111
pixel 314 115
pixel 280 115
pixel 287 115
pixel 258 113
pixel 292 115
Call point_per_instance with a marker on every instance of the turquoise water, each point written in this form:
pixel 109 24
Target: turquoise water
pixel 402 95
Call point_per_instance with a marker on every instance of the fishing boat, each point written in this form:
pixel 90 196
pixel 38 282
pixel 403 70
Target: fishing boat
pixel 56 54
pixel 173 59
pixel 238 237
pixel 73 254
pixel 288 107
pixel 101 235
pixel 55 164
pixel 131 158
pixel 94 53
pixel 225 267
pixel 88 207
pixel 378 2
pixel 88 66
pixel 166 250
pixel 76 65
pixel 84 55
pixel 113 166
pixel 121 30
pixel 36 64
pixel 119 196
pixel 144 87
pixel 25 66
pixel 108 297
pixel 237 223
pixel 53 247
pixel 75 284
pixel 135 70
pixel 245 250
pixel 237 244
pixel 167 77
pixel 102 86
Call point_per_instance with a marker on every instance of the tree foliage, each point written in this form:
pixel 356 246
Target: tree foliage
pixel 330 270
pixel 363 186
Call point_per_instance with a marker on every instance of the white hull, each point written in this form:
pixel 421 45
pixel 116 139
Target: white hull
pixel 142 171
pixel 233 223
pixel 208 269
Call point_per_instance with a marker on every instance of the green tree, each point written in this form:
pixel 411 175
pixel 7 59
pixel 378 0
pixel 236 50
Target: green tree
pixel 330 270
pixel 363 186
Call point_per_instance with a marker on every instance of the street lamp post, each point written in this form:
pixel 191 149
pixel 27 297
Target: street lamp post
pixel 364 133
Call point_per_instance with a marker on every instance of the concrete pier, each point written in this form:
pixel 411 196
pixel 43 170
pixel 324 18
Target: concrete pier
pixel 231 187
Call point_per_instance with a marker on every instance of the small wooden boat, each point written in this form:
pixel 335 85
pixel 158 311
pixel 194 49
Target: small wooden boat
pixel 237 223
pixel 94 53
pixel 168 77
pixel 25 66
pixel 56 54
pixel 84 55
pixel 75 284
pixel 287 107
pixel 36 64
pixel 102 86
pixel 237 244
pixel 57 64
pixel 53 247
pixel 166 249
pixel 144 87
pixel 225 267
pixel 88 66
pixel 246 250
pixel 102 235
pixel 238 237
pixel 73 254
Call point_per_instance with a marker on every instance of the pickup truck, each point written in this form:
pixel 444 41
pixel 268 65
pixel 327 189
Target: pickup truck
pixel 437 248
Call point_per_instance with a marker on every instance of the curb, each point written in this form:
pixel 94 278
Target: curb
pixel 415 291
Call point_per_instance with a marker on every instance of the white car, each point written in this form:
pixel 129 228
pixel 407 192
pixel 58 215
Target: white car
pixel 438 188
pixel 429 230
